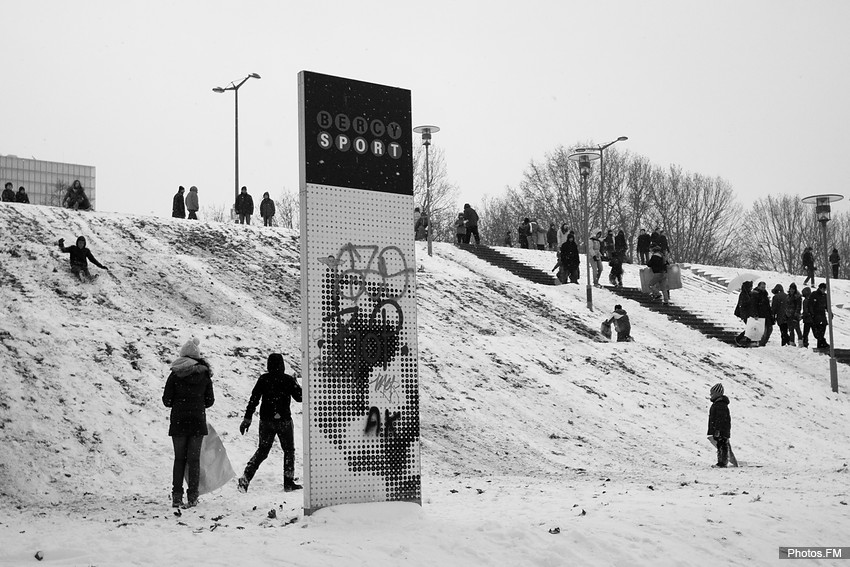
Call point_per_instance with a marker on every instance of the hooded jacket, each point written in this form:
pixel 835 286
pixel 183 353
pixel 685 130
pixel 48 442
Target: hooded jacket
pixel 719 419
pixel 188 392
pixel 569 253
pixel 192 200
pixel 742 310
pixel 267 210
pixel 779 305
pixel 275 388
pixel 80 256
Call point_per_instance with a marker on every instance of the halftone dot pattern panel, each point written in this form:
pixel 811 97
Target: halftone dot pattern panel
pixel 362 423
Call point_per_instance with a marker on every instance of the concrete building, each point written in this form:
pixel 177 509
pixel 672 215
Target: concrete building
pixel 47 181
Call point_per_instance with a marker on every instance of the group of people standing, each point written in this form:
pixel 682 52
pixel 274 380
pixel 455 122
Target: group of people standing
pixel 786 310
pixel 466 225
pixel 74 198
pixel 243 206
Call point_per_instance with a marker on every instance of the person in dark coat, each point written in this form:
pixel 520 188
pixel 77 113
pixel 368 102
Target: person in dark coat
pixel 643 246
pixel 524 231
pixel 192 203
pixel 568 260
pixel 742 312
pixel 75 197
pixel 792 313
pixel 267 210
pixel 188 392
pixel 806 314
pixel 662 243
pixel 621 323
pixel 9 193
pixel 22 197
pixel 244 206
pixel 178 206
pixel 621 245
pixel 654 238
pixel 552 237
pixel 420 229
pixel 615 272
pixel 779 309
pixel 507 242
pixel 274 388
pixel 760 308
pixel 809 265
pixel 658 285
pixel 720 427
pixel 835 262
pixel 80 256
pixel 818 308
pixel 471 220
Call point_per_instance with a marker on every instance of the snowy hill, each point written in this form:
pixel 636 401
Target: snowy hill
pixel 530 421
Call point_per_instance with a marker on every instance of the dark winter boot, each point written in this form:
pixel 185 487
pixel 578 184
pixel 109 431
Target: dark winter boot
pixel 176 499
pixel 242 484
pixel 289 485
pixel 191 500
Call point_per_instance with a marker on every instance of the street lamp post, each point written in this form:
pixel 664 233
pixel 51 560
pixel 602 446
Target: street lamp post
pixel 426 132
pixel 584 157
pixel 234 86
pixel 601 150
pixel 822 210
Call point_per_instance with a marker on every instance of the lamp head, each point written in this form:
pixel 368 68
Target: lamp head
pixel 584 165
pixel 622 138
pixel 218 90
pixel 254 76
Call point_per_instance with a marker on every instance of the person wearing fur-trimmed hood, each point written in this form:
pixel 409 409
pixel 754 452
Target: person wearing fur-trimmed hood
pixel 188 392
pixel 720 426
pixel 275 388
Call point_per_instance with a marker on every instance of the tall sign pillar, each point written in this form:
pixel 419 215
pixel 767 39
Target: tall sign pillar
pixel 358 293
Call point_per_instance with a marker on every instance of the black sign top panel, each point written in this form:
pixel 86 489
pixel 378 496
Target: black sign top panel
pixel 357 134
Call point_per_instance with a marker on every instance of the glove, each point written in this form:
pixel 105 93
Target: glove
pixel 105 268
pixel 61 242
pixel 243 427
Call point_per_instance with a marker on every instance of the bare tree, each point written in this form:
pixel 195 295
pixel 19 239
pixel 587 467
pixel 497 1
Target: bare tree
pixel 778 230
pixel 439 199
pixel 287 210
pixel 215 213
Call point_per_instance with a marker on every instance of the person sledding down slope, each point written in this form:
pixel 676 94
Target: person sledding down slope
pixel 620 320
pixel 79 259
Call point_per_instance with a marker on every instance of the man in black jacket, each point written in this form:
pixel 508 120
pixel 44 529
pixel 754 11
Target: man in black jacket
pixel 244 206
pixel 79 259
pixel 275 388
pixel 760 308
pixel 818 307
pixel 178 205
pixel 643 244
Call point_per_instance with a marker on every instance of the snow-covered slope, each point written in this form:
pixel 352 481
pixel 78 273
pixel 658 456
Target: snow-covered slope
pixel 529 420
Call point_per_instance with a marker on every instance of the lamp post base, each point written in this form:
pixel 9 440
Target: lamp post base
pixel 589 297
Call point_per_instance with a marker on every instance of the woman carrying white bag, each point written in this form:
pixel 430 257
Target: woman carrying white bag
pixel 761 319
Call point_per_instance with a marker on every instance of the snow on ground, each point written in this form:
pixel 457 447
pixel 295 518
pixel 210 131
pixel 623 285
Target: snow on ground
pixel 531 423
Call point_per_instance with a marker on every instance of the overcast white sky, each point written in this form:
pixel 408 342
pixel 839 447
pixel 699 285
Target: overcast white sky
pixel 753 91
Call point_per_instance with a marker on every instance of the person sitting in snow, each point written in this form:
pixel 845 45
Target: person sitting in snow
pixel 720 426
pixel 79 259
pixel 274 388
pixel 620 320
pixel 188 392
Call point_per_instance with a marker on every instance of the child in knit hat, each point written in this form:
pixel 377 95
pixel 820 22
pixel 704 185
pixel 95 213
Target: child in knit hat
pixel 720 426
